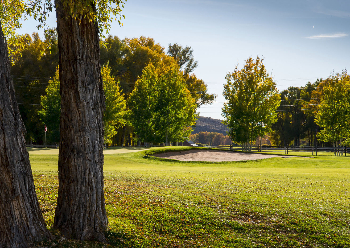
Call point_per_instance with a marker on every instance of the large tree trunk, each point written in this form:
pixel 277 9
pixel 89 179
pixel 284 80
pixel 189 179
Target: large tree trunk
pixel 21 220
pixel 80 212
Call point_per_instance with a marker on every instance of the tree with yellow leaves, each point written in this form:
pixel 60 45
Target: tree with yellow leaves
pixel 251 102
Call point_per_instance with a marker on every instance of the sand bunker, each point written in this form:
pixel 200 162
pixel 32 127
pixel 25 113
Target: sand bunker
pixel 212 156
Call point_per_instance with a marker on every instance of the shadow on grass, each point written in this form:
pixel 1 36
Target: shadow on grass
pixel 113 240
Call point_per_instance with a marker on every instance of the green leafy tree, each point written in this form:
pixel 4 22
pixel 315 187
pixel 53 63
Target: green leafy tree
pixel 127 59
pixel 162 109
pixel 143 51
pixel 251 102
pixel 333 114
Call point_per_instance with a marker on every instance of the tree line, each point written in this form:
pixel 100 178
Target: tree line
pixel 34 64
pixel 130 67
pixel 317 112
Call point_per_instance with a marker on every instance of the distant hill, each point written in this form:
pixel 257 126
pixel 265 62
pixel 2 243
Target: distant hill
pixel 207 124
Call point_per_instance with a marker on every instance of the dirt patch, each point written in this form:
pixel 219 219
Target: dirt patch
pixel 212 156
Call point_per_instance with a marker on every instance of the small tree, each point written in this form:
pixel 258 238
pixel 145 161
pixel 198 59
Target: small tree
pixel 162 109
pixel 251 102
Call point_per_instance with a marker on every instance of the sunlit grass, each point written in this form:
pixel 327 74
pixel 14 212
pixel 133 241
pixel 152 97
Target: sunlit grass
pixel 278 202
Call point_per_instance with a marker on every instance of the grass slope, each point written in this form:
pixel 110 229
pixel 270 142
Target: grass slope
pixel 150 202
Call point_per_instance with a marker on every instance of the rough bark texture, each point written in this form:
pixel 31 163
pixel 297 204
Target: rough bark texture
pixel 21 220
pixel 80 212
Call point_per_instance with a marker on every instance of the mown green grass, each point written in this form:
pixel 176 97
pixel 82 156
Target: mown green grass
pixel 278 202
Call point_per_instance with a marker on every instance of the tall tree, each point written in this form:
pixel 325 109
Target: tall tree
pixel 21 220
pixel 252 99
pixel 127 59
pixel 80 212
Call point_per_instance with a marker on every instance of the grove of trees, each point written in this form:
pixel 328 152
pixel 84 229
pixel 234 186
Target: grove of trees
pixel 34 63
pixel 126 61
pixel 316 113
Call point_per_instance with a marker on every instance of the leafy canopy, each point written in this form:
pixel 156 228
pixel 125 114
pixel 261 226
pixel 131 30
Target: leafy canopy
pixel 103 12
pixel 129 57
pixel 10 13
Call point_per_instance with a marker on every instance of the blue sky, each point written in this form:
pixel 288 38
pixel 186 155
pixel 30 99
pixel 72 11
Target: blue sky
pixel 300 40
